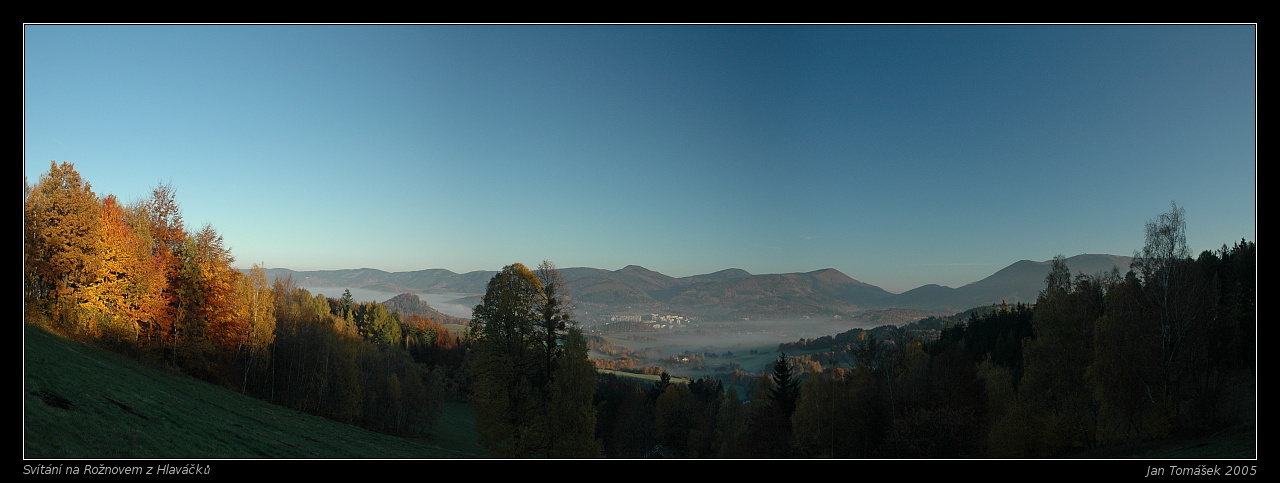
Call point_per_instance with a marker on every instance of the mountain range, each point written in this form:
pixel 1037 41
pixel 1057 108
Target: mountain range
pixel 726 294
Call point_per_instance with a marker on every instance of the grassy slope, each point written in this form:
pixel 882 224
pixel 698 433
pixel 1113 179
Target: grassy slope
pixel 83 402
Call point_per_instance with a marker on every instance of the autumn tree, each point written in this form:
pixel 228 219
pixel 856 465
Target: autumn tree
pixel 167 234
pixel 512 390
pixel 508 358
pixel 227 326
pixel 61 244
pixel 301 348
pixel 258 309
pixel 134 274
pixel 206 329
pixel 127 286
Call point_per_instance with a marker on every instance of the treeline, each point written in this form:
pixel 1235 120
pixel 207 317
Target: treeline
pixel 356 363
pixel 1102 360
pixel 1166 349
pixel 133 278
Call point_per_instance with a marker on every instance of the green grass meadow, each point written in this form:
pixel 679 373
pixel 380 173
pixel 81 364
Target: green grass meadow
pixel 83 402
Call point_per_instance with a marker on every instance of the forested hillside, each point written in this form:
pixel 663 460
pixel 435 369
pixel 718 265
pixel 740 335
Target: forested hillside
pixel 730 294
pixel 135 279
pixel 1100 361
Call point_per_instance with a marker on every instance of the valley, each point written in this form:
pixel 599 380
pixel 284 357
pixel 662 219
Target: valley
pixel 729 295
pixel 712 324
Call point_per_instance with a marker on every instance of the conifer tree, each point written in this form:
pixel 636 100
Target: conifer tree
pixel 786 388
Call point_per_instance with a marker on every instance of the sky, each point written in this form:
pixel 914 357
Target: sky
pixel 901 155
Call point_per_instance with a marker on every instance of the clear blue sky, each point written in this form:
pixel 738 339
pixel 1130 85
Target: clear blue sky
pixel 900 155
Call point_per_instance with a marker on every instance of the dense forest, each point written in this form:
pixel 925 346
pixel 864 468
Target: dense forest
pixel 1100 360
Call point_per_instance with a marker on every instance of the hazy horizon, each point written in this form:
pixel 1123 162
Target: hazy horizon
pixel 901 155
pixel 668 274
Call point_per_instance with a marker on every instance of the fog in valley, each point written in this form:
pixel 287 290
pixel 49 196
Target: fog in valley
pixel 446 303
pixel 739 337
pixel 739 334
pixel 749 345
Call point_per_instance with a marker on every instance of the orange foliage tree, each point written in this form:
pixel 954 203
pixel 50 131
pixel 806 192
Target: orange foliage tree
pixel 209 320
pixel 61 242
pixel 127 285
pixel 167 235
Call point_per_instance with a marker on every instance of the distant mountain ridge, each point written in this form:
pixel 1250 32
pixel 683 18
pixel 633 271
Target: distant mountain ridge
pixel 729 293
pixel 1020 282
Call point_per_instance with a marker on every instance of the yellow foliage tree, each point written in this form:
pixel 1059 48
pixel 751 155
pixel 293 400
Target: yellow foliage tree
pixel 127 285
pixel 61 240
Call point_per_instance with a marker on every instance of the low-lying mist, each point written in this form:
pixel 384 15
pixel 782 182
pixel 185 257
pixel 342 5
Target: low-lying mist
pixel 753 344
pixel 738 337
pixel 446 303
